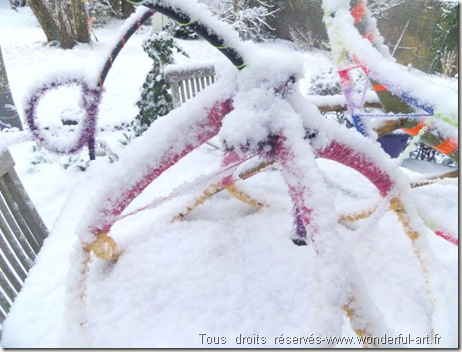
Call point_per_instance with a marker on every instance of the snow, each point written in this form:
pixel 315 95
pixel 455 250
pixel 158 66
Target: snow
pixel 227 275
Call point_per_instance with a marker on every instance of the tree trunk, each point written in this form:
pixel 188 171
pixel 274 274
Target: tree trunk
pixel 115 4
pixel 63 21
pixel 46 19
pixel 8 113
pixel 235 9
pixel 66 30
pixel 80 22
pixel 127 9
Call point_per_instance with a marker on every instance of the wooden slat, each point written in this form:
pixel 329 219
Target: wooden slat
pixel 22 233
pixel 17 224
pixel 12 278
pixel 14 235
pixel 4 311
pixel 6 163
pixel 182 92
pixel 185 74
pixel 8 292
pixel 4 303
pixel 197 85
pixel 25 215
pixel 13 253
pixel 27 208
pixel 175 94
pixel 186 83
pixel 2 317
pixel 203 82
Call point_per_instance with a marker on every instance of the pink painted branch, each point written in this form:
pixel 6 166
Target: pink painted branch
pixel 230 157
pixel 448 237
pixel 209 128
pixel 297 191
pixel 360 162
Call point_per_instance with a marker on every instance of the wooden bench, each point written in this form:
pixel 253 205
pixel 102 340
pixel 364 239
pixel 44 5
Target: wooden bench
pixel 188 80
pixel 22 233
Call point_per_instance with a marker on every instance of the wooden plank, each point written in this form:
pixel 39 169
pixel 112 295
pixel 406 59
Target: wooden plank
pixel 27 208
pixel 182 92
pixel 183 73
pixel 4 311
pixel 16 222
pixel 4 303
pixel 11 277
pixel 175 94
pixel 187 85
pixel 14 235
pixel 25 214
pixel 6 162
pixel 197 83
pixel 193 88
pixel 8 292
pixel 203 82
pixel 13 253
pixel 341 108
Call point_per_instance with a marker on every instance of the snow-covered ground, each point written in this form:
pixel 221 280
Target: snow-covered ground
pixel 227 275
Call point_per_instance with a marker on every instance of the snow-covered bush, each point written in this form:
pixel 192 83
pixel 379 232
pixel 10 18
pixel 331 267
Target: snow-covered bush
pixel 179 31
pixel 155 99
pixel 446 40
pixel 306 40
pixel 328 83
pixel 427 153
pixel 102 12
pixel 17 3
pixel 79 161
pixel 248 17
pixel 379 8
pixel 325 83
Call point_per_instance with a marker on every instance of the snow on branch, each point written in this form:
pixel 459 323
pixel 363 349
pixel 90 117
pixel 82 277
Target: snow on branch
pixel 249 17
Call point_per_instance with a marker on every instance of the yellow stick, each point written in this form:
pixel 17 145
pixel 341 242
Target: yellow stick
pixel 353 317
pixel 356 217
pixel 240 195
pixel 210 191
pixel 104 247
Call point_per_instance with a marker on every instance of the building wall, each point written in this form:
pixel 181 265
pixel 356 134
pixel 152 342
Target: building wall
pixel 302 20
pixel 416 44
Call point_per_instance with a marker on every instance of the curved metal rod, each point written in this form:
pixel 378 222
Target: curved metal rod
pixel 90 99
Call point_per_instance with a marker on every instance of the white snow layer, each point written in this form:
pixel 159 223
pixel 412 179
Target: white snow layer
pixel 227 275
